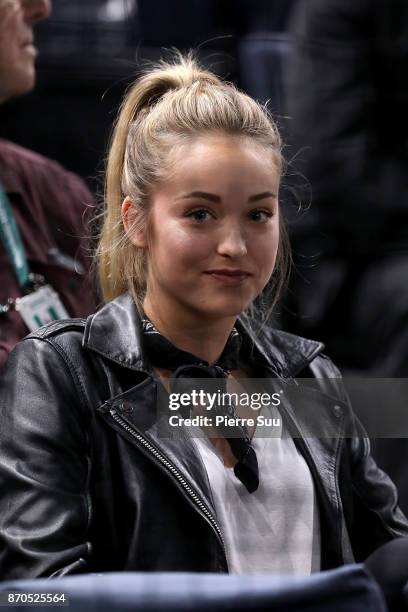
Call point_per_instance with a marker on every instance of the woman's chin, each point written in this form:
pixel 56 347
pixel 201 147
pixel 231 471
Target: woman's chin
pixel 224 309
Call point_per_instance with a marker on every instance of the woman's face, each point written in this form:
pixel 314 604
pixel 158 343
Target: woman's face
pixel 214 228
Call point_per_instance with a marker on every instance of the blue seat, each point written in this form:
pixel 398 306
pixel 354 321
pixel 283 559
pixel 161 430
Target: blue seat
pixel 346 589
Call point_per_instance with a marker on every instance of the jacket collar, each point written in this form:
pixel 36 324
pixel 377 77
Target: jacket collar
pixel 115 332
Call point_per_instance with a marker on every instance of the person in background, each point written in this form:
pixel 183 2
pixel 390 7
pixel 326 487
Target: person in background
pixel 42 205
pixel 347 95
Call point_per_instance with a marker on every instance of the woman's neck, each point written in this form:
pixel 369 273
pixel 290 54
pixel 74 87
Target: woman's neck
pixel 205 339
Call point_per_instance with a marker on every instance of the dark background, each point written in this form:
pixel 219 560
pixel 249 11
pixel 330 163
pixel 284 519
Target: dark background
pixel 90 51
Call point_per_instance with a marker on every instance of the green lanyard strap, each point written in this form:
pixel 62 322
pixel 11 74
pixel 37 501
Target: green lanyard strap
pixel 11 239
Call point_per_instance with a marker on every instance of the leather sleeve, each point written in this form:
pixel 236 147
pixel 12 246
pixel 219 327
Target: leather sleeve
pixel 44 465
pixel 369 497
pixel 377 518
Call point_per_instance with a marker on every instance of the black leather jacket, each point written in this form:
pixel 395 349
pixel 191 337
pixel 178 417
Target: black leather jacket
pixel 88 482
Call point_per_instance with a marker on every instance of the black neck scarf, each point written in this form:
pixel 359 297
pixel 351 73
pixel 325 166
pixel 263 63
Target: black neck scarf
pixel 184 365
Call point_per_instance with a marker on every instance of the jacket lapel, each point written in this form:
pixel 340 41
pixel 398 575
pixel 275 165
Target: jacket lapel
pixel 316 422
pixel 144 409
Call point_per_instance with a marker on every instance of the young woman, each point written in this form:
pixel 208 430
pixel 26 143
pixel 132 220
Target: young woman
pixel 92 475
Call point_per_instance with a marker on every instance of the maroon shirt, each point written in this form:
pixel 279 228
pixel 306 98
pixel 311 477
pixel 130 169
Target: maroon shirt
pixel 49 205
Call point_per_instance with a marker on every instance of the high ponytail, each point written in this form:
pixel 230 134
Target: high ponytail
pixel 112 252
pixel 172 102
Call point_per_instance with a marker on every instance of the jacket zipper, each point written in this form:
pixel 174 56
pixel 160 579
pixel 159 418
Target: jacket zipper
pixel 169 467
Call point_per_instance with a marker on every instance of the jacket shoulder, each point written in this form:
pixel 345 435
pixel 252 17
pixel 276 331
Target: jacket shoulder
pixel 20 166
pixel 302 358
pixel 58 328
pixel 12 152
pixel 57 351
pixel 23 159
pixel 64 337
pixel 316 364
pixel 310 349
pixel 289 352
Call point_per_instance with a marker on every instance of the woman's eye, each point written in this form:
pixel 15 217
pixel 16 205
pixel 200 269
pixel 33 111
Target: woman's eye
pixel 199 215
pixel 260 215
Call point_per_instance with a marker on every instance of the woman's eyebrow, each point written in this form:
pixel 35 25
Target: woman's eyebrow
pixel 261 196
pixel 215 198
pixel 202 194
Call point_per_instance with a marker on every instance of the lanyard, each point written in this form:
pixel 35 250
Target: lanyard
pixel 11 239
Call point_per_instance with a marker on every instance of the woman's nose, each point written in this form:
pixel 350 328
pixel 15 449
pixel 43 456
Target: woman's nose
pixel 232 242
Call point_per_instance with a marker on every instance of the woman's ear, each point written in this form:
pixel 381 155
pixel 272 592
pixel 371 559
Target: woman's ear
pixel 131 218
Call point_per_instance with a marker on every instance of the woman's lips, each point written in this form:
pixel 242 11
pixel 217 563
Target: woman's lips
pixel 230 278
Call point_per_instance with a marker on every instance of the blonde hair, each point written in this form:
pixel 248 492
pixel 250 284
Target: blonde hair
pixel 170 104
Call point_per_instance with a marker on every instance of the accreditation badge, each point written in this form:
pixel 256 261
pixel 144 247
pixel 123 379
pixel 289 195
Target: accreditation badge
pixel 41 307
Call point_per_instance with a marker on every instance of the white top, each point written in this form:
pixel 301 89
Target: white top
pixel 274 530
